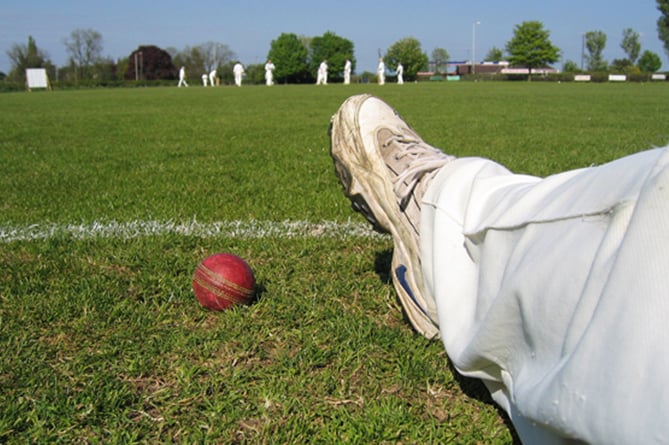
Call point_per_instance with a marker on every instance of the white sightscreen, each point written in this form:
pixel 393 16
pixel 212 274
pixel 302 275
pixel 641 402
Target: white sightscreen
pixel 37 78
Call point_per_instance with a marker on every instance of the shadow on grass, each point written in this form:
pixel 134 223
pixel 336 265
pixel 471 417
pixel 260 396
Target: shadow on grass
pixel 471 387
pixel 475 389
pixel 382 265
pixel 258 293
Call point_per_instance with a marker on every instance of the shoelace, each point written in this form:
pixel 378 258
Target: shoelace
pixel 424 159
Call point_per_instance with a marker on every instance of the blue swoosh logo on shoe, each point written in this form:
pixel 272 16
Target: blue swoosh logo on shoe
pixel 400 273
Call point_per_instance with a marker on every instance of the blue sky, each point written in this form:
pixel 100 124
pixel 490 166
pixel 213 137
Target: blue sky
pixel 249 26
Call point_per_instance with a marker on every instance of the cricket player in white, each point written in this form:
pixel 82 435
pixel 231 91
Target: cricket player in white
pixel 322 75
pixel 204 80
pixel 347 72
pixel 553 291
pixel 400 74
pixel 238 71
pixel 182 77
pixel 212 78
pixel 269 73
pixel 381 72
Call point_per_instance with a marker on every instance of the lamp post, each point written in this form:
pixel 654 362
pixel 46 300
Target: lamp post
pixel 582 49
pixel 139 65
pixel 474 46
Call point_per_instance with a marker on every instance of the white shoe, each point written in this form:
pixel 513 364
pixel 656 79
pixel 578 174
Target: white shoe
pixel 384 167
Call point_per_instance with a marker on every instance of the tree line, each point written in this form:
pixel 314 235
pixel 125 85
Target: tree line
pixel 297 57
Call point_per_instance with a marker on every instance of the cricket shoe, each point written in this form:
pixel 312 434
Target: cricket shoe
pixel 384 168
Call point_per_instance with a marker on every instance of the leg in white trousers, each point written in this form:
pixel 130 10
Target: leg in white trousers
pixel 555 292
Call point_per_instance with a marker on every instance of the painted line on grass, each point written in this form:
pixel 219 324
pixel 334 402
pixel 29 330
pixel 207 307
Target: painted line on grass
pixel 220 229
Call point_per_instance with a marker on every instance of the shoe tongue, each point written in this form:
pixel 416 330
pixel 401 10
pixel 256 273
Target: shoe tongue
pixel 391 150
pixel 385 136
pixel 408 158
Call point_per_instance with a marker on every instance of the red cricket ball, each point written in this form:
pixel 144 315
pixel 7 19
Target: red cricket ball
pixel 223 280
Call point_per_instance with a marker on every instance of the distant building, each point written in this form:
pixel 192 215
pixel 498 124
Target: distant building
pixel 523 70
pixel 501 67
pixel 463 68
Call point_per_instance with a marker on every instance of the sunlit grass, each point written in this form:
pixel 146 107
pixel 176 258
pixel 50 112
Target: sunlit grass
pixel 103 340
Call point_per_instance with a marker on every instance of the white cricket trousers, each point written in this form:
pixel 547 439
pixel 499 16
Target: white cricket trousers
pixel 555 292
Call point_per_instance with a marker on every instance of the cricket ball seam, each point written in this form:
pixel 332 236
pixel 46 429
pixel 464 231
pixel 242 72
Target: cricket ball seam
pixel 220 287
pixel 218 279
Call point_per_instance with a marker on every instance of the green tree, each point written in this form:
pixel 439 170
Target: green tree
pixel 408 52
pixel 494 55
pixel 531 47
pixel 649 62
pixel 255 74
pixel 28 56
pixel 104 70
pixel 663 24
pixel 621 66
pixel 440 58
pixel 595 42
pixel 289 55
pixel 85 49
pixel 192 59
pixel 570 67
pixel 122 65
pixel 630 44
pixel 335 50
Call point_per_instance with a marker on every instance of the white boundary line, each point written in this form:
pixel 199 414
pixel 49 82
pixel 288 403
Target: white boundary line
pixel 219 229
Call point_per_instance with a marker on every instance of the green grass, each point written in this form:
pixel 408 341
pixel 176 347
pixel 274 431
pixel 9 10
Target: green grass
pixel 102 338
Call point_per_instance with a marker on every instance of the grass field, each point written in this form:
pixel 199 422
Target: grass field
pixel 110 198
